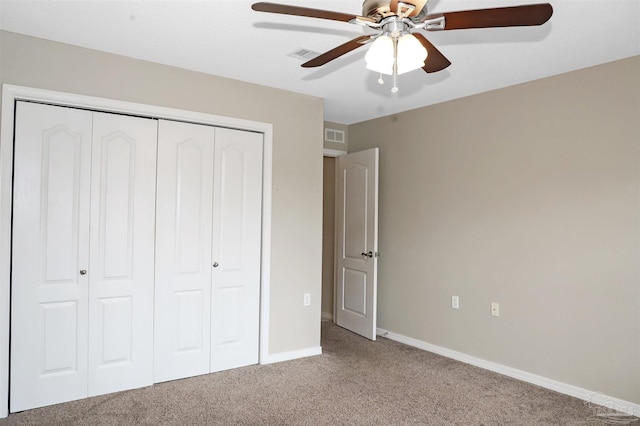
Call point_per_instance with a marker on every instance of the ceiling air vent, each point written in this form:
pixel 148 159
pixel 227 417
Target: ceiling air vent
pixel 333 135
pixel 304 54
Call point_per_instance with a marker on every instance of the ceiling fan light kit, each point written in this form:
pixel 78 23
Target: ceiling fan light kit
pixel 399 46
pixel 408 54
pixel 402 51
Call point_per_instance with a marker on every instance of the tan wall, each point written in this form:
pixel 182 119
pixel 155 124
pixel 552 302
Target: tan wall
pixel 297 153
pixel 527 196
pixel 328 230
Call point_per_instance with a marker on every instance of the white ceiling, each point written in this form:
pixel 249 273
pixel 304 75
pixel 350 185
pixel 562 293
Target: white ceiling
pixel 227 38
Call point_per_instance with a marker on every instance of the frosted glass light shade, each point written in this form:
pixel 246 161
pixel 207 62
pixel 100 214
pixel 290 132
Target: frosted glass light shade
pixel 411 54
pixel 379 57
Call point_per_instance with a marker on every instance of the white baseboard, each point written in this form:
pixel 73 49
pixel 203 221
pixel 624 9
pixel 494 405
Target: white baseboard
pixel 326 316
pixel 287 356
pixel 564 388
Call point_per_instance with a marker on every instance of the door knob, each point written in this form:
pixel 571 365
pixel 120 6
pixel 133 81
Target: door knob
pixel 83 272
pixel 370 254
pixel 215 264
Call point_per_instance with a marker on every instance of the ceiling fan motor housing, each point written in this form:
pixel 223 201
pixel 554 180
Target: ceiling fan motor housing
pixel 376 9
pixel 395 28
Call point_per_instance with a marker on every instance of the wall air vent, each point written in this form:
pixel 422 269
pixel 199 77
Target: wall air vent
pixel 333 135
pixel 304 54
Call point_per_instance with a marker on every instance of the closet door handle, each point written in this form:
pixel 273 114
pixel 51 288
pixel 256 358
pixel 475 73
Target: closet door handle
pixel 83 272
pixel 215 264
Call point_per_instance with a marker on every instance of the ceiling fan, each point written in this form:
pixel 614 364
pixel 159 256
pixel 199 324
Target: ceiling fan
pixel 399 46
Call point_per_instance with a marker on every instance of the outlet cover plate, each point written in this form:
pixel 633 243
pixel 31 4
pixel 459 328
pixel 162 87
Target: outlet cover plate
pixel 495 309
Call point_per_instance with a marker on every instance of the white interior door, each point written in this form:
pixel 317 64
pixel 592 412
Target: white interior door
pixel 357 241
pixel 83 254
pixel 50 248
pixel 207 249
pixel 183 250
pixel 237 213
pixel 121 275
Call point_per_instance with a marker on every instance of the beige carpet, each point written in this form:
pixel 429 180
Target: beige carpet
pixel 354 382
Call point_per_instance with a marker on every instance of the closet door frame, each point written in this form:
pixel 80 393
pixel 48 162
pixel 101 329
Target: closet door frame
pixel 12 93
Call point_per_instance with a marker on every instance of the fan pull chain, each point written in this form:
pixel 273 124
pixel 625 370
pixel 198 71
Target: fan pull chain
pixel 394 89
pixel 380 80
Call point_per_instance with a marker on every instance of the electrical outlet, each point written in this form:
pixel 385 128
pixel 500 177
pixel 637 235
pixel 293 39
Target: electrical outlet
pixel 455 302
pixel 307 299
pixel 495 309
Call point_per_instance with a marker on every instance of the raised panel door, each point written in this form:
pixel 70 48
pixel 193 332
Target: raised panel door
pixel 122 253
pixel 357 241
pixel 49 250
pixel 183 250
pixel 237 213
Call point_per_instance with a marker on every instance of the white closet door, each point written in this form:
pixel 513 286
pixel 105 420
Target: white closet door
pixel 183 250
pixel 237 201
pixel 50 248
pixel 122 253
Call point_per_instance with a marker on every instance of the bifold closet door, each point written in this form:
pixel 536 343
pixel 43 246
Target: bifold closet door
pixel 183 250
pixel 121 278
pixel 237 218
pixel 50 248
pixel 82 254
pixel 208 230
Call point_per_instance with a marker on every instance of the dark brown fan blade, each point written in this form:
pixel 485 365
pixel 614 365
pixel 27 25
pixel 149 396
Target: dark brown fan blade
pixel 419 5
pixel 435 61
pixel 302 11
pixel 336 52
pixel 513 16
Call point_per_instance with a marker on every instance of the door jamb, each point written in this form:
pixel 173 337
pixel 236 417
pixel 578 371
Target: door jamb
pixel 12 93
